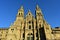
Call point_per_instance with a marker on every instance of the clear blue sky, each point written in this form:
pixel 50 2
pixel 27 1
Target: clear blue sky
pixel 9 9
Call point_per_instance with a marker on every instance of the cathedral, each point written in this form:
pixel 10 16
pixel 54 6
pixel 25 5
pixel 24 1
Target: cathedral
pixel 30 28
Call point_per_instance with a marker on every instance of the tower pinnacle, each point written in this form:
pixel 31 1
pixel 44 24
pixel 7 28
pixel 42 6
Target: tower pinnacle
pixel 21 8
pixel 37 7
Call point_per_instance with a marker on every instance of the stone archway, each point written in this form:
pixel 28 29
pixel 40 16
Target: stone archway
pixel 29 36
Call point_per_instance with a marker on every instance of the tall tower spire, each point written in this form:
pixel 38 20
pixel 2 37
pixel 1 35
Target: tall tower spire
pixel 39 19
pixel 21 8
pixel 20 18
pixel 20 14
pixel 37 7
pixel 38 11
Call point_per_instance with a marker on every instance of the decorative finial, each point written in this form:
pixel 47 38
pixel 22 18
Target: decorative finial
pixel 29 12
pixel 21 7
pixel 37 6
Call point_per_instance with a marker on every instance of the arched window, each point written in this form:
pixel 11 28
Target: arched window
pixel 29 26
pixel 30 36
pixel 39 25
pixel 19 13
pixel 23 35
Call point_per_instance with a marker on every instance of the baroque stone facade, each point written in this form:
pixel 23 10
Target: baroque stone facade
pixel 30 28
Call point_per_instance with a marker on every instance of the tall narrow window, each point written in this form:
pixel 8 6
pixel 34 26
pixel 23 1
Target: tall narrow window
pixel 23 35
pixel 36 34
pixel 29 26
pixel 19 13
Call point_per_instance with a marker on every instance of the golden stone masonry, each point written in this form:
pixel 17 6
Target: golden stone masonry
pixel 30 28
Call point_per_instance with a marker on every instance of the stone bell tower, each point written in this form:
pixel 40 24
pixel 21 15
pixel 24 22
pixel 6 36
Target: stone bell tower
pixel 20 22
pixel 39 16
pixel 15 31
pixel 20 17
